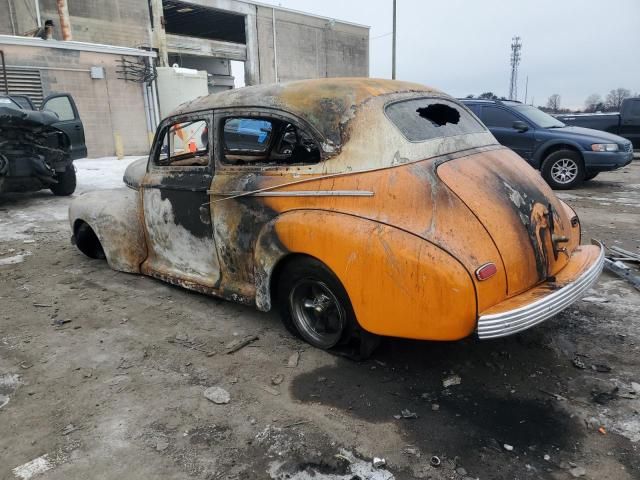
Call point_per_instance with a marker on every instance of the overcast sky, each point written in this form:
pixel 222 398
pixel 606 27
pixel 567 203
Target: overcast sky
pixel 570 47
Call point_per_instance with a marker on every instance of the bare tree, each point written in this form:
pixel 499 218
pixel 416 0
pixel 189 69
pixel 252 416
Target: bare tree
pixel 553 103
pixel 593 103
pixel 488 96
pixel 615 98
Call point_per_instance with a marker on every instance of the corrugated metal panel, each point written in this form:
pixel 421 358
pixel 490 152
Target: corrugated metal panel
pixel 27 82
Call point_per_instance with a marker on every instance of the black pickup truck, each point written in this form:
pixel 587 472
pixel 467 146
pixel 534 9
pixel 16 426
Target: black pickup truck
pixel 37 147
pixel 626 123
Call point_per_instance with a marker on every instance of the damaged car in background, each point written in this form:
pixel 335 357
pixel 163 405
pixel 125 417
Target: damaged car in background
pixel 37 147
pixel 359 207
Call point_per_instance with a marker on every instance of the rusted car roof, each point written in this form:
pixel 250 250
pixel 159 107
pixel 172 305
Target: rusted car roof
pixel 327 103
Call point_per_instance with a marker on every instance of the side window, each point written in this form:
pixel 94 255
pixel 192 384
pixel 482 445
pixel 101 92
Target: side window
pixel 266 141
pixel 61 106
pixel 498 117
pixel 635 108
pixel 185 144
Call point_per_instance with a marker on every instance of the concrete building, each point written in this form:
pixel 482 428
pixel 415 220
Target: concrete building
pixel 235 42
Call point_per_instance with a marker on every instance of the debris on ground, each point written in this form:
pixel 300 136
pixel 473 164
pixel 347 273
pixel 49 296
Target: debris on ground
pixel 217 395
pixel 183 340
pixel 577 472
pixel 411 450
pixel 578 363
pixel 603 398
pixel 270 390
pixel 58 322
pixel 435 461
pixel 451 381
pixel 293 360
pixel 277 379
pixel 406 413
pixel 240 343
pixel 601 367
pixel 508 448
pixel 378 462
pixel 69 429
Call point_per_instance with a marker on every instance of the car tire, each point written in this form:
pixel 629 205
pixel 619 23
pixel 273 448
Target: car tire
pixel 590 176
pixel 66 183
pixel 313 304
pixel 563 169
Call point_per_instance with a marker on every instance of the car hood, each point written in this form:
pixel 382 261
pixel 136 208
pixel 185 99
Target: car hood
pixel 135 172
pixel 589 135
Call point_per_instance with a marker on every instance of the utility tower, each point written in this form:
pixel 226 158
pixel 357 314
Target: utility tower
pixel 516 45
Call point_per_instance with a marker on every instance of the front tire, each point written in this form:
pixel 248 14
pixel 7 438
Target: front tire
pixel 314 305
pixel 563 170
pixel 66 182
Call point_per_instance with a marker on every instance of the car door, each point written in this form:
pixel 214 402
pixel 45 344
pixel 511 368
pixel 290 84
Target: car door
pixel 500 121
pixel 64 107
pixel 630 121
pixel 255 149
pixel 175 202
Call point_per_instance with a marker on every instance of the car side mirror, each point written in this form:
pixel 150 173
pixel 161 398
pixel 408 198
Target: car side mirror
pixel 520 126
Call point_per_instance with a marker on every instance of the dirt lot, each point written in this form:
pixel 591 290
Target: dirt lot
pixel 102 375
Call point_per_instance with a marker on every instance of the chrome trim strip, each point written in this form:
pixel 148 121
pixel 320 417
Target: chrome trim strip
pixel 315 193
pixel 296 193
pixel 519 319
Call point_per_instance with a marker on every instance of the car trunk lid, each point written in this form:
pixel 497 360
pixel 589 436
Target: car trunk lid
pixel 528 224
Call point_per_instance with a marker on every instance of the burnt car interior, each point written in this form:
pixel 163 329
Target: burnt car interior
pixel 266 141
pixel 185 144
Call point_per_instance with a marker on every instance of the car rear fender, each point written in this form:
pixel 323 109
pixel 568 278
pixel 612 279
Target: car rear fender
pixel 399 284
pixel 115 217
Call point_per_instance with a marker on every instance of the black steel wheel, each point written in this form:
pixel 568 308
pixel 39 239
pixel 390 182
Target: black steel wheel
pixel 314 304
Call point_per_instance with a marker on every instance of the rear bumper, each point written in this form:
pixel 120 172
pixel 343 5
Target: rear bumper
pixel 538 304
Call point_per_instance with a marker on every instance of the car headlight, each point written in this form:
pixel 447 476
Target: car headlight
pixel 605 147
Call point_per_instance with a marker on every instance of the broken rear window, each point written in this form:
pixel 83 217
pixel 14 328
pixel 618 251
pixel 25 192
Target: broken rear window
pixel 426 118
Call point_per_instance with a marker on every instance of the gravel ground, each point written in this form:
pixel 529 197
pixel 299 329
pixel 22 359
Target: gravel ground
pixel 103 374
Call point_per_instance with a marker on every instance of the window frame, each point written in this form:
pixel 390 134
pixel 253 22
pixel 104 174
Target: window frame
pixel 435 99
pixel 267 114
pixel 517 116
pixel 162 130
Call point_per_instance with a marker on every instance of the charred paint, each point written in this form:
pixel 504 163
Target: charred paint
pixel 410 225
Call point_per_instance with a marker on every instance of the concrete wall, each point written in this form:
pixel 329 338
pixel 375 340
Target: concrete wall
pixel 310 47
pixel 106 106
pixel 112 22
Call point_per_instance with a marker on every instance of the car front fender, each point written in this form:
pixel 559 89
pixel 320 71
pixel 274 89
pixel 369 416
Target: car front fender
pixel 116 218
pixel 399 284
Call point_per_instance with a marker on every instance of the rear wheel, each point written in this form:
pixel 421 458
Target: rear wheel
pixel 563 169
pixel 314 304
pixel 66 182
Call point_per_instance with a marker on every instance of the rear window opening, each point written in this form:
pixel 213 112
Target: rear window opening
pixel 423 119
pixel 439 114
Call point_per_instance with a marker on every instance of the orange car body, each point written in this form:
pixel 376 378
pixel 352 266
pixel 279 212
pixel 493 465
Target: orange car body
pixel 406 225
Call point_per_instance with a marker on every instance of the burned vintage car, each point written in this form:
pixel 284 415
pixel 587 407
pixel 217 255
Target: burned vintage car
pixel 37 147
pixel 354 205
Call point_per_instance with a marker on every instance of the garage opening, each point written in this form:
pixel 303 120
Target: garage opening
pixel 202 22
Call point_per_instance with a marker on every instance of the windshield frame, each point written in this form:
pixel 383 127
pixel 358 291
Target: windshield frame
pixel 524 110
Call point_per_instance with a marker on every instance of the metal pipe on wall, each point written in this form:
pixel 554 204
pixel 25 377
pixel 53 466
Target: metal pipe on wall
pixel 65 24
pixel 275 44
pixel 4 73
pixel 13 26
pixel 38 17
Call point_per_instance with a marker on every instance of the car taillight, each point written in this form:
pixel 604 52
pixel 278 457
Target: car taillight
pixel 486 271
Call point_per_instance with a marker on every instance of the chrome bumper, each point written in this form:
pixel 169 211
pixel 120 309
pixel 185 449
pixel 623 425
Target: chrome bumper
pixel 519 319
